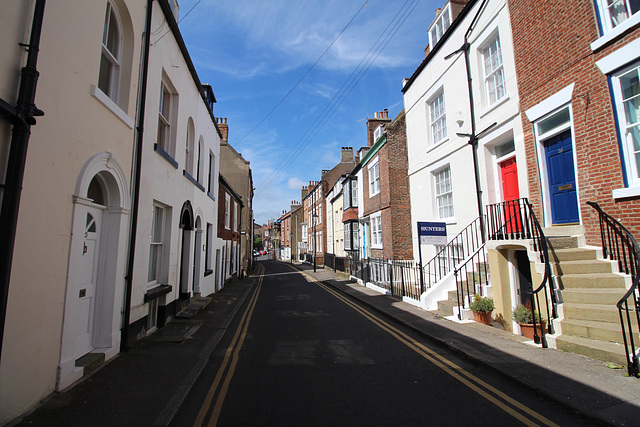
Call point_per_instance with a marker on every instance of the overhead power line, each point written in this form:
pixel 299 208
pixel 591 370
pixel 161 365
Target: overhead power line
pixel 350 83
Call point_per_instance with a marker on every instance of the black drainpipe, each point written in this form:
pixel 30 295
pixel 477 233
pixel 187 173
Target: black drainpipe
pixel 473 137
pixel 124 337
pixel 22 118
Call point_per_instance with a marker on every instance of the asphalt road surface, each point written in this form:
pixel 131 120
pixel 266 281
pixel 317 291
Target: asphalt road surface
pixel 301 354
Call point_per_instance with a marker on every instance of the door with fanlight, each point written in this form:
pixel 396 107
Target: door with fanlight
pixel 87 228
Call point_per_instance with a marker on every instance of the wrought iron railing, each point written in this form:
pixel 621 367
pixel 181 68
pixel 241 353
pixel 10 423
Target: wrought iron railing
pixel 510 220
pixel 448 258
pixel 400 278
pixel 618 244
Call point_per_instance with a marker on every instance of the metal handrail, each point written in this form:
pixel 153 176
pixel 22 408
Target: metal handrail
pixel 618 244
pixel 515 219
pixel 460 246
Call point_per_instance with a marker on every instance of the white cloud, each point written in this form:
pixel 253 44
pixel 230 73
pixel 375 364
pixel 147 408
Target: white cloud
pixel 295 183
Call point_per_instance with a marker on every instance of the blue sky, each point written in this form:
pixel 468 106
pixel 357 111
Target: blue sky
pixel 297 79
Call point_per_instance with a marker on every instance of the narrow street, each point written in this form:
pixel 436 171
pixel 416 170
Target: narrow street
pixel 300 353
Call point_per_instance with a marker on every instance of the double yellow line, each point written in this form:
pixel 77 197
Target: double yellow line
pixel 219 387
pixel 487 391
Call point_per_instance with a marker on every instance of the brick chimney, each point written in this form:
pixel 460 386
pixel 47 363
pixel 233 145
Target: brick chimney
pixel 224 128
pixel 379 118
pixel 346 155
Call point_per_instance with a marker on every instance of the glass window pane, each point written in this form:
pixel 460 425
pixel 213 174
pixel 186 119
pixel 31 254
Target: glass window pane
pixel 554 121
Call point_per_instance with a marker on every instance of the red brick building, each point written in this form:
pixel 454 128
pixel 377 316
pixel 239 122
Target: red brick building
pixel 386 200
pixel 577 69
pixel 229 223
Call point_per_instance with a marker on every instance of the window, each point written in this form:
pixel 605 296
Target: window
pixel 208 260
pixel 440 26
pixel 448 257
pixel 109 77
pixel 627 94
pixel 493 71
pixel 212 172
pixel 227 211
pixel 444 193
pixel 437 118
pixel 347 236
pixel 164 119
pixel 615 12
pixel 374 178
pixel 376 231
pixel 155 253
pixel 199 161
pixel 354 193
pixel 189 148
pixel 235 215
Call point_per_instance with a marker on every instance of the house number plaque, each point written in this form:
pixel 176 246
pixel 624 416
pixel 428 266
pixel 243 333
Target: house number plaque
pixel 565 187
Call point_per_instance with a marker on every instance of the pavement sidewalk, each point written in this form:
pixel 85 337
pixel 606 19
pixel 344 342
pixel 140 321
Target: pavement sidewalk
pixel 147 384
pixel 586 385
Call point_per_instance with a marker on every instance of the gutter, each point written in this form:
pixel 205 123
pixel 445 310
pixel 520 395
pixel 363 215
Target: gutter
pixel 22 118
pixel 136 172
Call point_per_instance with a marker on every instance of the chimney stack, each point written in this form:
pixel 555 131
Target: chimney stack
pixel 346 155
pixel 224 128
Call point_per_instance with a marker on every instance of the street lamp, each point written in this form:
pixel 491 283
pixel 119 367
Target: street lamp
pixel 291 247
pixel 315 243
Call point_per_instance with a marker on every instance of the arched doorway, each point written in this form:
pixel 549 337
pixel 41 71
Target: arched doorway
pixel 95 278
pixel 186 226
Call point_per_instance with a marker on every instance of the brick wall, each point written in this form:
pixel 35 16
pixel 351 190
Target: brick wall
pixel 552 50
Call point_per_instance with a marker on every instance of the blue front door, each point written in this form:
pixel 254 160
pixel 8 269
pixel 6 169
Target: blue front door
pixel 562 180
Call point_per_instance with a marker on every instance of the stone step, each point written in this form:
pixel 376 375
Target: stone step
pixel 591 312
pixel 594 280
pixel 595 349
pixel 562 242
pixel 593 295
pixel 577 254
pixel 584 267
pixel 602 331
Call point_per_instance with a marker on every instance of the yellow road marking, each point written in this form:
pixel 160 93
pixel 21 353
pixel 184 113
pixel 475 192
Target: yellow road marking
pixel 480 386
pixel 236 343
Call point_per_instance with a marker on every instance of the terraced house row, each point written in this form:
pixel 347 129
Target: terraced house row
pixel 520 136
pixel 122 201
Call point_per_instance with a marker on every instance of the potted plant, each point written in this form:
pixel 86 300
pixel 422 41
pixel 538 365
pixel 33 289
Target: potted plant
pixel 482 308
pixel 523 315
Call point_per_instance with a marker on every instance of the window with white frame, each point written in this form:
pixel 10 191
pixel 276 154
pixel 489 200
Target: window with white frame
pixel 156 244
pixel 110 60
pixel 615 12
pixel 165 113
pixel 304 231
pixel 376 230
pixel 227 211
pixel 437 118
pixel 347 236
pixel 374 177
pixel 190 148
pixel 627 96
pixel 440 26
pixel 208 260
pixel 212 173
pixel 236 208
pixel 443 192
pixel 493 71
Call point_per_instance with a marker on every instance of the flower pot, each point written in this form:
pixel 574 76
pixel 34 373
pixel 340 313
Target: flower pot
pixel 482 317
pixel 527 330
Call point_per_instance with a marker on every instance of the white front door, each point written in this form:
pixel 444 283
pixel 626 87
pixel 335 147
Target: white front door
pixel 85 263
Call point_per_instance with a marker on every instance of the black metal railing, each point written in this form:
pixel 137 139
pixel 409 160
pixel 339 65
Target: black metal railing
pixel 335 263
pixel 470 277
pixel 400 278
pixel 618 244
pixel 448 258
pixel 515 219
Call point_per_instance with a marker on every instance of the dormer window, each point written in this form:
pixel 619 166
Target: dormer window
pixel 440 26
pixel 377 133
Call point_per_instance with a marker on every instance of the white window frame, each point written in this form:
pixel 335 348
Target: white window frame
pixel 189 148
pixel 374 177
pixel 227 211
pixel 608 30
pixel 112 55
pixel 437 117
pixel 236 209
pixel 607 18
pixel 494 79
pixel 212 173
pixel 440 26
pixel 156 244
pixel 167 113
pixel 443 193
pixel 631 156
pixel 376 230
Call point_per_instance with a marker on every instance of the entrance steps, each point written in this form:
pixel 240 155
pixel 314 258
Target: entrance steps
pixel 196 305
pixel 590 288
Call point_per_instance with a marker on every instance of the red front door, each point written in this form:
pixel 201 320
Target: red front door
pixel 510 192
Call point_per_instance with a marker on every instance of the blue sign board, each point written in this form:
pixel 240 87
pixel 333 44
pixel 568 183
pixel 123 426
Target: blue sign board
pixel 432 233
